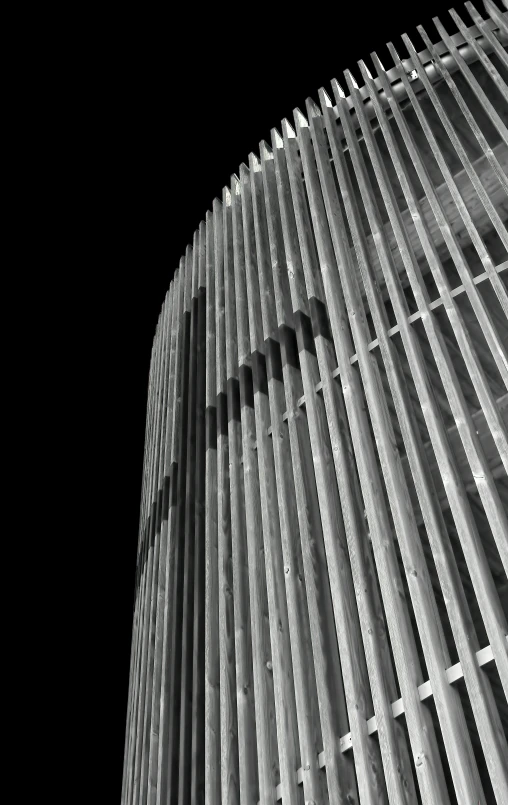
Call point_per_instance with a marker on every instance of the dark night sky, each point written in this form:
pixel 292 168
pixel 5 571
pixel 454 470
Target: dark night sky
pixel 171 108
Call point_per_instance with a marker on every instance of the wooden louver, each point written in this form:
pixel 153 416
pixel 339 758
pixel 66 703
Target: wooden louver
pixel 321 592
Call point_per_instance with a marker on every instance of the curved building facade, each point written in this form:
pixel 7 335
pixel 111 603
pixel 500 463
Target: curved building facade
pixel 321 591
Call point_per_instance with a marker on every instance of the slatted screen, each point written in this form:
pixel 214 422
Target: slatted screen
pixel 321 592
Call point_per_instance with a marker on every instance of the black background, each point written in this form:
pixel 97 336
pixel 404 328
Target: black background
pixel 171 102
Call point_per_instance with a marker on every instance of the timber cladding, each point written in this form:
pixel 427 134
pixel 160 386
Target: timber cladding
pixel 321 590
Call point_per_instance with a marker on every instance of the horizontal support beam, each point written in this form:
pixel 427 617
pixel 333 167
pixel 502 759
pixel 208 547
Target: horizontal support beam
pixel 465 50
pixel 477 211
pixel 460 289
pixel 454 673
pixel 394 330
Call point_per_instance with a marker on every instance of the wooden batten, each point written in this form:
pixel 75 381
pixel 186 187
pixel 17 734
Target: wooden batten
pixel 189 526
pixel 150 554
pixel 320 610
pixel 166 537
pixel 244 647
pixel 169 761
pixel 133 681
pixel 157 569
pixel 405 655
pixel 159 773
pixel 212 732
pixel 229 610
pixel 256 401
pixel 159 581
pixel 265 301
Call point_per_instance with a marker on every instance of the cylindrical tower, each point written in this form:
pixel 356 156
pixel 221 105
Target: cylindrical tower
pixel 321 590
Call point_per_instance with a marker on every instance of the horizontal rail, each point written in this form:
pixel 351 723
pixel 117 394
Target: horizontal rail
pixel 454 673
pixel 394 330
pixel 296 595
pixel 397 86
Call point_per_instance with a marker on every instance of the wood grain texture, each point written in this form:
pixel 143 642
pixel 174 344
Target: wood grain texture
pixel 189 538
pixel 212 733
pixel 151 573
pixel 153 712
pixel 280 648
pixel 264 694
pixel 490 606
pixel 321 589
pixel 353 682
pixel 159 777
pixel 432 638
pixel 169 765
pixel 230 780
pixel 404 648
pixel 198 647
pixel 261 290
pixel 245 691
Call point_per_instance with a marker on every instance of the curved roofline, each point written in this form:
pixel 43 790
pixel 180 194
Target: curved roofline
pixel 465 49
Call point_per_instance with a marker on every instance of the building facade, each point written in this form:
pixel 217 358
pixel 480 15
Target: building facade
pixel 321 591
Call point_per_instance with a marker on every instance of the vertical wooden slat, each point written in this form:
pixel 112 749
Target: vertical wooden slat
pixel 482 56
pixel 486 104
pixel 229 735
pixel 256 394
pixel 149 537
pixel 186 676
pixel 354 678
pixel 247 727
pixel 159 566
pixel 261 292
pixel 212 760
pixel 314 410
pixel 198 656
pixel 289 292
pixel 489 602
pixel 264 704
pixel 450 384
pixel 129 698
pixel 490 36
pixel 497 16
pixel 493 214
pixel 149 572
pixel 433 643
pixel 157 498
pixel 144 566
pixel 170 764
pixel 497 517
pixel 141 575
pixel 167 550
pixel 392 742
pixel 152 749
pixel 159 780
pixel 135 692
pixel 409 674
pixel 460 618
pixel 137 605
